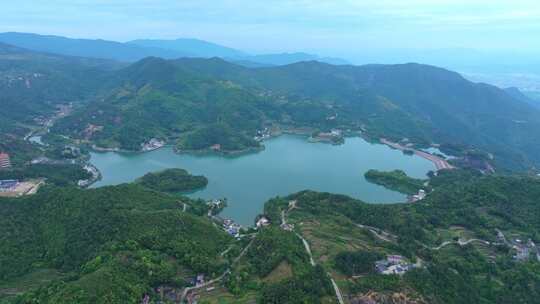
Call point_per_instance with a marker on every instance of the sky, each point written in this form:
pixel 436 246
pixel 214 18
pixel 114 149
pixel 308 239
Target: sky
pixel 335 28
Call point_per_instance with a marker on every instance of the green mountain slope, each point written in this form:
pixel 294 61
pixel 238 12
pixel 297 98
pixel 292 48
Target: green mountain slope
pixel 154 98
pixel 112 244
pixel 424 102
pixel 34 83
pixel 434 233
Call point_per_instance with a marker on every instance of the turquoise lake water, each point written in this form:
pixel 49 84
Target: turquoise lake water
pixel 288 164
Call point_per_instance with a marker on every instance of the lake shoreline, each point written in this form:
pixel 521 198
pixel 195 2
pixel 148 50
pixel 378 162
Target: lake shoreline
pixel 288 164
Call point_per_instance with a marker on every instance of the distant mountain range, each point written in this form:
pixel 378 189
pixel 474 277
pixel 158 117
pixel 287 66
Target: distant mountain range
pixel 533 99
pixel 138 49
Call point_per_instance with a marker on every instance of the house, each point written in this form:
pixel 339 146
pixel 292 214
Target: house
pixel 335 132
pixel 215 203
pixel 397 269
pixel 393 264
pixel 216 147
pixel 263 222
pixel 232 231
pixel 71 151
pixel 8 185
pixel 418 197
pixel 5 162
pixel 146 299
pixel 523 252
pixel 292 204
pixel 395 259
pixel 199 280
pixel 153 144
pixel 287 227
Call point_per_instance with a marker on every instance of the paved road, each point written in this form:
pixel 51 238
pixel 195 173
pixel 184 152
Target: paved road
pixel 437 161
pixel 381 234
pixel 308 249
pixel 336 289
pixel 458 242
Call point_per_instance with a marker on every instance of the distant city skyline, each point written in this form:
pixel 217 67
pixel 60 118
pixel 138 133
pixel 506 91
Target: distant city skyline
pixel 330 28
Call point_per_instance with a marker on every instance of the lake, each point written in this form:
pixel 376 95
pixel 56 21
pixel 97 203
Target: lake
pixel 288 164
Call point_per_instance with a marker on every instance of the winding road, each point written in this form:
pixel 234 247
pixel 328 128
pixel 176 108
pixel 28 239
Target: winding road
pixel 226 272
pixel 339 296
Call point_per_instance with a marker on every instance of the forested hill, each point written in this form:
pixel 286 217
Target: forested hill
pixel 445 105
pixel 465 238
pixel 32 84
pixel 107 245
pixel 423 103
pixel 154 98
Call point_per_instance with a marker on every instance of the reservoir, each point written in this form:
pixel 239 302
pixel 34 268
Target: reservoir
pixel 288 164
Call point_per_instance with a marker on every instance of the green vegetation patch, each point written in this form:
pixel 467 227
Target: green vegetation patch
pixel 59 175
pixel 357 262
pixel 396 180
pixel 173 181
pixel 119 242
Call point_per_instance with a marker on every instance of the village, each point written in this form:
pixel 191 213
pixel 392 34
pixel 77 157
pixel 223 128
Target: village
pixel 522 250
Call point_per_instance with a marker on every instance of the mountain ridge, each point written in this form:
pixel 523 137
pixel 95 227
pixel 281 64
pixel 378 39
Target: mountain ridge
pixel 135 50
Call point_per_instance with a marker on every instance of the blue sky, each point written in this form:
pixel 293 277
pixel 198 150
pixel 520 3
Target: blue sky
pixel 337 27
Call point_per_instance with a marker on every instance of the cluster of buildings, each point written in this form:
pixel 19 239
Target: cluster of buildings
pixel 417 197
pixel 71 152
pixel 216 203
pixel 8 185
pixel 334 133
pixel 332 117
pixel 5 161
pixel 335 136
pixel 524 250
pixel 231 227
pixel 152 144
pixel 95 176
pixel 215 206
pixel 393 264
pixel 262 134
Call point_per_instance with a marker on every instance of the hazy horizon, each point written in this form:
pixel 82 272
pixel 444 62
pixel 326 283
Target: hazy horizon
pixel 339 28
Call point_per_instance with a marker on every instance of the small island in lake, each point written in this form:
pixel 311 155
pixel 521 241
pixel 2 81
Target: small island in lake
pixel 396 180
pixel 173 180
